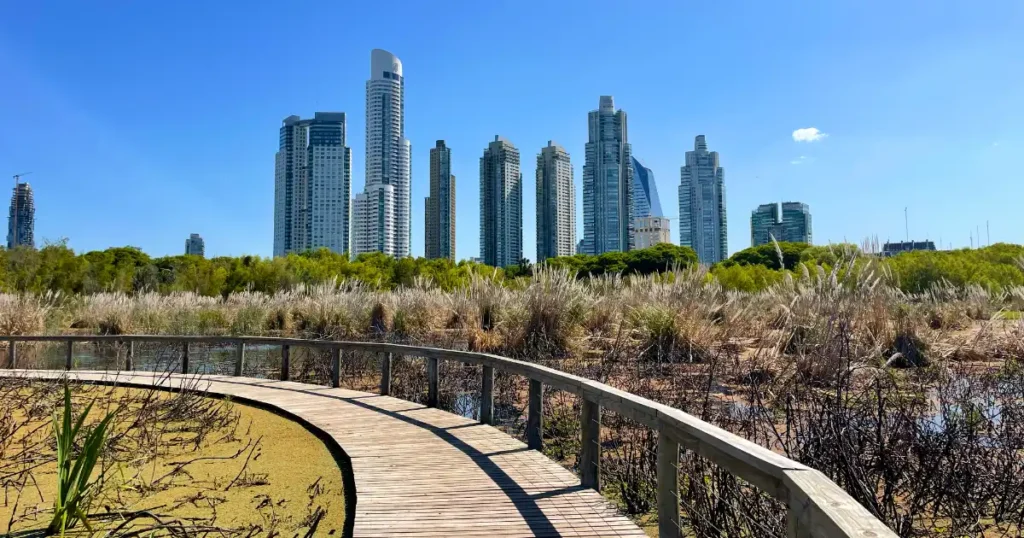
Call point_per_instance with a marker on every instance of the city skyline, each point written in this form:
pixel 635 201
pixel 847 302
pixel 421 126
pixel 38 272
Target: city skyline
pixel 187 112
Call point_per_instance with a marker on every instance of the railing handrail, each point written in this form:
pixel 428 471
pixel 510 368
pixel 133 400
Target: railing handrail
pixel 818 507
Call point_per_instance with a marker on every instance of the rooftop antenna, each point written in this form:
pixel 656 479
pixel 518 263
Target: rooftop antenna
pixel 14 231
pixel 977 230
pixel 972 238
pixel 906 223
pixel 988 238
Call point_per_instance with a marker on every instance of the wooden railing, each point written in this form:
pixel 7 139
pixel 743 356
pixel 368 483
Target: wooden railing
pixel 817 507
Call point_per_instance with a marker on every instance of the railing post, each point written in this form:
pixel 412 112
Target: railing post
pixel 70 356
pixel 286 362
pixel 335 367
pixel 385 374
pixel 12 354
pixel 590 445
pixel 432 382
pixel 239 359
pixel 668 487
pixel 487 396
pixel 129 363
pixel 535 416
pixel 184 358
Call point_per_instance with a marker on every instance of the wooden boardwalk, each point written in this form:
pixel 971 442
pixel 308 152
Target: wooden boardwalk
pixel 419 471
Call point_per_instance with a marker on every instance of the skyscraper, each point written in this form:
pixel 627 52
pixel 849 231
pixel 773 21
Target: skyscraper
pixel 702 219
pixel 556 203
pixel 21 224
pixel 793 227
pixel 646 202
pixel 764 224
pixel 195 246
pixel 501 204
pixel 796 223
pixel 440 214
pixel 607 182
pixel 312 185
pixel 382 218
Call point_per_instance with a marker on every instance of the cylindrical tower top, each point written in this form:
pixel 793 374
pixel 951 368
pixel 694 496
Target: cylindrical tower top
pixel 382 61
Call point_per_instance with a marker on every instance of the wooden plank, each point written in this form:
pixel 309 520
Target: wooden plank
pixel 286 362
pixel 385 374
pixel 590 445
pixel 69 357
pixel 535 416
pixel 468 481
pixel 184 356
pixel 487 396
pixel 335 367
pixel 239 359
pixel 668 487
pixel 819 508
pixel 753 463
pixel 432 382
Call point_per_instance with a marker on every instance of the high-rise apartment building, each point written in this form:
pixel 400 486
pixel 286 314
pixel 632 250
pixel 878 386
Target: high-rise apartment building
pixel 440 215
pixel 21 222
pixel 646 202
pixel 195 246
pixel 764 224
pixel 607 182
pixel 312 185
pixel 556 203
pixel 382 211
pixel 794 226
pixel 650 231
pixel 702 218
pixel 501 204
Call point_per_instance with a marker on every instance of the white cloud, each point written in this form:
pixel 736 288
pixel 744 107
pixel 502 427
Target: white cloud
pixel 799 160
pixel 808 134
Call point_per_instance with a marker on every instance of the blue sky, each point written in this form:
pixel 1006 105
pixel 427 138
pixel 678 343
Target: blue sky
pixel 145 121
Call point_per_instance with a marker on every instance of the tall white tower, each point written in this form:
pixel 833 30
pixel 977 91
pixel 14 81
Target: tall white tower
pixel 381 212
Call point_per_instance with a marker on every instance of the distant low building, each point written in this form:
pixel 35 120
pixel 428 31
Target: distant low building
pixel 195 246
pixel 891 249
pixel 650 231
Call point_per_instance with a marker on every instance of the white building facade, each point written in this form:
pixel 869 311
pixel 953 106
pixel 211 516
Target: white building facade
pixel 384 213
pixel 312 185
pixel 650 231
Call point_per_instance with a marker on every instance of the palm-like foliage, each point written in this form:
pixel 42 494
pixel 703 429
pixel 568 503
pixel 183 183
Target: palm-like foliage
pixel 74 486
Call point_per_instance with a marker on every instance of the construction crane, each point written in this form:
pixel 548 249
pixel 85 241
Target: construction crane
pixel 14 228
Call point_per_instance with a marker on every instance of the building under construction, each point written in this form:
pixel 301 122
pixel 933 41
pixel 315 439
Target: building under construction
pixel 22 218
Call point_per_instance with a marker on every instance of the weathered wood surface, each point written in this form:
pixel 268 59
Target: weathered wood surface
pixel 419 471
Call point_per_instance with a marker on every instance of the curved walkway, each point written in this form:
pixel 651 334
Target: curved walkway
pixel 418 471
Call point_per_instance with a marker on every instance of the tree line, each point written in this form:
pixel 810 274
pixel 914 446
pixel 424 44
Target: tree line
pixel 57 268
